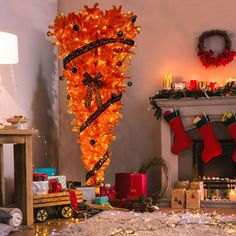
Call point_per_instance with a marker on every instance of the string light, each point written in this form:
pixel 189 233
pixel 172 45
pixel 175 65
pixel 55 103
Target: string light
pixel 133 223
pixel 45 145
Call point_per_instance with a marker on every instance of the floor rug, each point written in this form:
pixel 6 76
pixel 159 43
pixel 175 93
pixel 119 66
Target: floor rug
pixel 192 223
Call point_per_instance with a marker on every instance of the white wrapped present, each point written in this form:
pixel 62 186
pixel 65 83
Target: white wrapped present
pixel 60 178
pixel 88 193
pixel 40 187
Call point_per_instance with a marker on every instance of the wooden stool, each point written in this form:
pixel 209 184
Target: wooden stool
pixel 23 176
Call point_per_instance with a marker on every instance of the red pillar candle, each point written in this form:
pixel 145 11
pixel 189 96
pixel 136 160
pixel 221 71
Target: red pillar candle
pixel 130 185
pixel 193 84
pixel 213 85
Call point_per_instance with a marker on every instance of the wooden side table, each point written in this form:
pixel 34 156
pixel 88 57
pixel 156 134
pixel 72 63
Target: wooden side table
pixel 23 176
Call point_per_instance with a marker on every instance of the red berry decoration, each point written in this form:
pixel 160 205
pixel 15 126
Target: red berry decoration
pixel 208 58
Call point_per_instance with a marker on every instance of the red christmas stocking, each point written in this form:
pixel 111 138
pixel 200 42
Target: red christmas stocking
pixel 230 124
pixel 212 147
pixel 181 138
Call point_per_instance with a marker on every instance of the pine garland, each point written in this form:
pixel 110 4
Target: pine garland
pixel 228 90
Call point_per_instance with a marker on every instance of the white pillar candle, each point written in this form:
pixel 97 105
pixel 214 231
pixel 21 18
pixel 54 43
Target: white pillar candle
pixel 167 81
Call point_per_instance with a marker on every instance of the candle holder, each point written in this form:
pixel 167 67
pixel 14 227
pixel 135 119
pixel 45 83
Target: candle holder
pixel 230 81
pixel 167 81
pixel 179 85
pixel 193 85
pixel 202 85
pixel 213 85
pixel 232 195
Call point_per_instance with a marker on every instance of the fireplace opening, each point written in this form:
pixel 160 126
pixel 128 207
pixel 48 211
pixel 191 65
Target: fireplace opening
pixel 219 167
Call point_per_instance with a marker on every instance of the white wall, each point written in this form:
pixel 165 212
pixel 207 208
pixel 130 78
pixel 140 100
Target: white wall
pixel 35 77
pixel 167 43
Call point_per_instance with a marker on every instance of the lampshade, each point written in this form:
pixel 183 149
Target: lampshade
pixel 8 48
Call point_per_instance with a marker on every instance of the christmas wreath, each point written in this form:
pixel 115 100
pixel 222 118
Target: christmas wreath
pixel 208 57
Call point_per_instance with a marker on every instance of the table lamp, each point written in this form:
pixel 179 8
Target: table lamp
pixel 8 48
pixel 8 55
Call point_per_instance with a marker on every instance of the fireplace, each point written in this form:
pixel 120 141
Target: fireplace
pixel 181 167
pixel 221 167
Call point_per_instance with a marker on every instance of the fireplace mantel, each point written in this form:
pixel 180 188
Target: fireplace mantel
pixel 189 108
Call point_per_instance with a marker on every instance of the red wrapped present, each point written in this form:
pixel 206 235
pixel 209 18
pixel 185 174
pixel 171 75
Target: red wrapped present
pixel 109 191
pixel 130 185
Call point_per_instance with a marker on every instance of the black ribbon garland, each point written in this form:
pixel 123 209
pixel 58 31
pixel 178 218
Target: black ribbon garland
pixel 76 53
pixel 93 86
pixel 114 98
pixel 97 166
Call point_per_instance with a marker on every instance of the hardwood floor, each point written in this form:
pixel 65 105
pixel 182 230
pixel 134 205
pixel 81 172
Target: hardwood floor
pixel 44 229
pixel 47 228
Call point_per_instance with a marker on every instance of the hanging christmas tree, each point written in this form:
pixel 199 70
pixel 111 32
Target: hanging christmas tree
pixel 96 49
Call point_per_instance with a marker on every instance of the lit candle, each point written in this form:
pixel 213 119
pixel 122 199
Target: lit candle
pixel 179 85
pixel 232 195
pixel 230 81
pixel 202 85
pixel 213 85
pixel 193 84
pixel 167 81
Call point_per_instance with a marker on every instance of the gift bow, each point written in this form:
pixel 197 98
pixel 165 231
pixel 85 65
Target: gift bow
pixel 93 86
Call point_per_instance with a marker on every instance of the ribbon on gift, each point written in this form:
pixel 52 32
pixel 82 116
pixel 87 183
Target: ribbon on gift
pixel 73 200
pixel 94 84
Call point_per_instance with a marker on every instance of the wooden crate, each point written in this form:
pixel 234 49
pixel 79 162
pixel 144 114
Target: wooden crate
pixel 55 199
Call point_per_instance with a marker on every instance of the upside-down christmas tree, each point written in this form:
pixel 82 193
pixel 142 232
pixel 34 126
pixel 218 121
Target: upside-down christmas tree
pixel 96 49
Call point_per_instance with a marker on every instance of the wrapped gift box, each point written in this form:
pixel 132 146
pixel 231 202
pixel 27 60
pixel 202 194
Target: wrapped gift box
pixel 101 200
pixel 198 185
pixel 88 193
pixel 40 187
pixel 183 184
pixel 130 185
pixel 108 191
pixel 48 171
pixel 193 198
pixel 178 198
pixel 60 178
